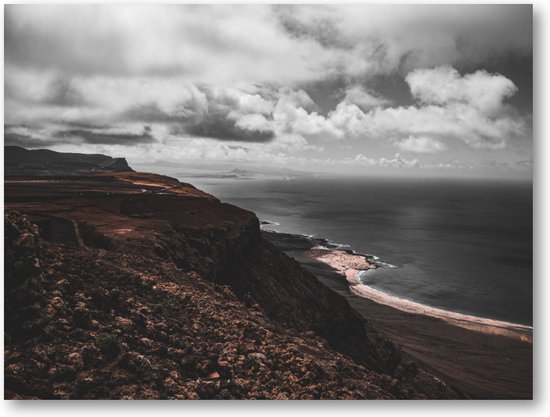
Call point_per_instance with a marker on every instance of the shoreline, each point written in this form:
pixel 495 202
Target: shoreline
pixel 481 364
pixel 350 264
pixel 346 265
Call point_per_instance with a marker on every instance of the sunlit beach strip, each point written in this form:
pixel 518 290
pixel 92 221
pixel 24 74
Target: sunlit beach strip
pixel 351 265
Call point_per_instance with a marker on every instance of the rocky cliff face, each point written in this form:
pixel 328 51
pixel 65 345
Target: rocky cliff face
pixel 223 244
pixel 150 288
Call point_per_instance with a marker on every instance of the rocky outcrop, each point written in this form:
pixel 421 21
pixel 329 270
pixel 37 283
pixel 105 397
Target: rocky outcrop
pixel 23 298
pixel 173 294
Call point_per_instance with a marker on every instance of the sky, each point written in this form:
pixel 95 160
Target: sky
pixel 422 90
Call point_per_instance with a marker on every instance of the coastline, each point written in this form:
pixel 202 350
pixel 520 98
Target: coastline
pixel 351 266
pixel 482 358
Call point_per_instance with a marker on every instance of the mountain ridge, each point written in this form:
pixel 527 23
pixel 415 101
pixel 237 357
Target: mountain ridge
pixel 42 162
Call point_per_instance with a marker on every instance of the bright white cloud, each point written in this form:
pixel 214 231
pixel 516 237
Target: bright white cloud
pixel 444 85
pixel 364 99
pixel 253 122
pixel 421 144
pixel 448 108
pixel 294 113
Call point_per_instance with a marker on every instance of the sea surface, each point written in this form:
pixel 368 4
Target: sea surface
pixel 459 245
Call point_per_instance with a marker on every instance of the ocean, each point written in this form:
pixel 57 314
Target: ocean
pixel 458 245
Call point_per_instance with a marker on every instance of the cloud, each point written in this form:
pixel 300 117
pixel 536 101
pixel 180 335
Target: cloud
pixel 232 80
pixel 420 144
pixel 228 115
pixel 364 99
pixel 444 85
pixel 108 138
pixel 218 126
pixel 62 93
pixel 313 42
pixel 158 41
pixel 295 112
pixel 382 39
pixel 28 141
pixel 396 162
pixel 447 107
pixel 220 113
pixel 253 122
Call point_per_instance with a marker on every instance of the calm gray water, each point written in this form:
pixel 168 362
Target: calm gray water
pixel 463 246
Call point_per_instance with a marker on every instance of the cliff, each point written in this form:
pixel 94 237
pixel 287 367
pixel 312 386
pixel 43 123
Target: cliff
pixel 20 161
pixel 132 285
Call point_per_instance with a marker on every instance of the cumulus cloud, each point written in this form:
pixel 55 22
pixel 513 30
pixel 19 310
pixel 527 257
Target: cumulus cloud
pixel 444 85
pixel 396 162
pixel 220 113
pixel 364 99
pixel 447 107
pixel 294 112
pixel 422 144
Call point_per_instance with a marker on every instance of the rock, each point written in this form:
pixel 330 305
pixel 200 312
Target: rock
pixel 258 357
pixel 135 362
pixel 213 375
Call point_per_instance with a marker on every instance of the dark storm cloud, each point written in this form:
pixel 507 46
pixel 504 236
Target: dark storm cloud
pixel 99 138
pixel 214 120
pixel 218 122
pixel 221 128
pixel 152 113
pixel 83 125
pixel 27 141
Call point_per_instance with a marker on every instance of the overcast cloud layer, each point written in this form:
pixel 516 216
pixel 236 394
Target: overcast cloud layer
pixel 395 87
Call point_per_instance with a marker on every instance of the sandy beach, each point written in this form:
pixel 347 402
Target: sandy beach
pixel 350 265
pixel 485 359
